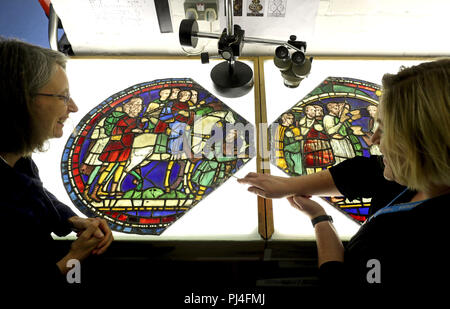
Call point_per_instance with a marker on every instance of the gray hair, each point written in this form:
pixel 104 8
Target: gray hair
pixel 41 65
pixel 24 70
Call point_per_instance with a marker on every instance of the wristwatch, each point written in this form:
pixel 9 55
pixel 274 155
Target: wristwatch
pixel 320 219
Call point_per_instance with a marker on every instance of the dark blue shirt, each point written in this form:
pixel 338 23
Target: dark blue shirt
pixel 409 245
pixel 29 215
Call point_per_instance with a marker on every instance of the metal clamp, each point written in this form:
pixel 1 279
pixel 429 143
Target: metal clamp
pixel 53 21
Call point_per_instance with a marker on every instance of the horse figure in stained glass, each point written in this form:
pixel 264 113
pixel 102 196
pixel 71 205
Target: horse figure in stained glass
pixel 144 156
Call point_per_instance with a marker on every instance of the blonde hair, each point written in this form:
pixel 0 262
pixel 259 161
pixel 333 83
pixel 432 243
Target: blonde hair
pixel 416 124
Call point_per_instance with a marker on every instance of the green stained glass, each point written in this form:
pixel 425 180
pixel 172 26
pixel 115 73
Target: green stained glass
pixel 332 123
pixel 146 155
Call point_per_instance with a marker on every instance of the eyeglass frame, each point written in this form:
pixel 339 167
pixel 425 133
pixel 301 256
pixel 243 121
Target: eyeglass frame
pixel 65 98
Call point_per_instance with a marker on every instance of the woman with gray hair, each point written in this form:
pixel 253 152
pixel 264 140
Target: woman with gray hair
pixel 34 106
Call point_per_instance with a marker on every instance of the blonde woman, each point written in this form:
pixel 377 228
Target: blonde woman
pixel 402 243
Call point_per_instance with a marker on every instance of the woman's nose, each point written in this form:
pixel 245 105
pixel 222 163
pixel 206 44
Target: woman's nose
pixel 73 108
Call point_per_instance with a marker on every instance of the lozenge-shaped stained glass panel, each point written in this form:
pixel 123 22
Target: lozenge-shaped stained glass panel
pixel 146 155
pixel 334 122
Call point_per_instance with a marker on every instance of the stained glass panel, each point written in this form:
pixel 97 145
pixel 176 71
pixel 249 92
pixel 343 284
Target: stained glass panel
pixel 332 123
pixel 146 155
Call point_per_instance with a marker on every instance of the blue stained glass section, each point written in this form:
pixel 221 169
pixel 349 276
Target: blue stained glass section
pixel 140 158
pixel 331 124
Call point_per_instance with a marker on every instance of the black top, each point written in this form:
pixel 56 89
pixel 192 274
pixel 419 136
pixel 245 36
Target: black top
pixel 29 215
pixel 409 245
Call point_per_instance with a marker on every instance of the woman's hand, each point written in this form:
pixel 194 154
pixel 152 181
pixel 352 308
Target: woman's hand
pixel 100 230
pixel 86 242
pixel 268 186
pixel 309 207
pixel 81 248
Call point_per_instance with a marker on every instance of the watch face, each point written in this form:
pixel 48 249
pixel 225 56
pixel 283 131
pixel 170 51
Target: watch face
pixel 146 155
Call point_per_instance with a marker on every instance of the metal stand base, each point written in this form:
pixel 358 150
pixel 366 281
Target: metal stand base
pixel 232 80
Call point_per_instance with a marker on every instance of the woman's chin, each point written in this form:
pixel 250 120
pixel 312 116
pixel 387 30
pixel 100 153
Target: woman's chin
pixel 387 173
pixel 58 130
pixel 57 133
pixel 388 176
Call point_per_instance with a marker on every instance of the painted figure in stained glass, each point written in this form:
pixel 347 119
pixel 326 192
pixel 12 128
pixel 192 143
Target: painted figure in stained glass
pixel 317 149
pixel 373 125
pixel 291 139
pixel 342 137
pixel 332 123
pixel 148 154
pixel 221 160
pixel 117 151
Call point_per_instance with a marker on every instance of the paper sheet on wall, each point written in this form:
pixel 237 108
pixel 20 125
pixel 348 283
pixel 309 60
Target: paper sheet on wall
pixel 274 19
pixel 109 26
pixel 124 27
pixel 131 26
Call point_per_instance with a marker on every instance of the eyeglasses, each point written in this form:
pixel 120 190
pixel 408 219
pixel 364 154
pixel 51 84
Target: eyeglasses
pixel 65 98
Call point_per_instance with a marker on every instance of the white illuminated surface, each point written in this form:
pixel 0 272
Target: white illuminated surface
pixel 228 213
pixel 289 223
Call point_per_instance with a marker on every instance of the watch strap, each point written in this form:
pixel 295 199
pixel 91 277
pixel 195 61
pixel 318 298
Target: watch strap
pixel 320 219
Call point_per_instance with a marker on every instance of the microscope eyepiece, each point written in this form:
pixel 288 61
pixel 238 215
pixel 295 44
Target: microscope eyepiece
pixel 298 57
pixel 282 52
pixel 294 68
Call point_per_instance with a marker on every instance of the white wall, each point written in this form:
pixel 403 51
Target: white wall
pixel 330 27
